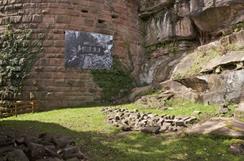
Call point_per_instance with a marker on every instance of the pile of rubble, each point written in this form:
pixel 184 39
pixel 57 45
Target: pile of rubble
pixel 146 122
pixel 42 148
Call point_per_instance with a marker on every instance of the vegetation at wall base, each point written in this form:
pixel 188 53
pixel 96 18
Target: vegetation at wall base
pixel 115 83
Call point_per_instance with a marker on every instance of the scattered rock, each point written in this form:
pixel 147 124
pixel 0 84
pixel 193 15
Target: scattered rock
pixel 224 109
pixel 151 129
pixel 37 151
pixel 125 128
pixel 237 149
pixel 156 101
pixel 5 140
pixel 42 148
pixel 61 142
pixel 71 152
pixel 16 155
pixel 146 122
pixel 51 159
pixel 73 159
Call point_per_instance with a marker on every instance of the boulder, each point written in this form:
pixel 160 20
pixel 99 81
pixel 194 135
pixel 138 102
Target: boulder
pixel 228 61
pixel 16 155
pixel 151 129
pixel 6 140
pixel 126 128
pixel 140 91
pixel 63 141
pixel 237 149
pixel 209 15
pixel 37 151
pixel 71 152
pixel 50 159
pixel 73 159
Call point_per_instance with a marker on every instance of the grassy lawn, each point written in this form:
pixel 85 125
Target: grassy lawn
pixel 102 142
pixel 179 107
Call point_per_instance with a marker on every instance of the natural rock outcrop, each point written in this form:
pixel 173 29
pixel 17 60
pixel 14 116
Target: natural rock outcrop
pixel 214 15
pixel 213 72
pixel 192 22
pixel 168 33
pixel 225 51
pixel 231 61
pixel 216 126
pixel 213 88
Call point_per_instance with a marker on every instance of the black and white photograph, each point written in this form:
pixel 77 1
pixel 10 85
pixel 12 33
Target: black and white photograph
pixel 88 50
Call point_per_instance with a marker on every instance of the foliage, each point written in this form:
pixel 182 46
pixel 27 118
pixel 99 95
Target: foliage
pixel 18 52
pixel 115 83
pixel 170 46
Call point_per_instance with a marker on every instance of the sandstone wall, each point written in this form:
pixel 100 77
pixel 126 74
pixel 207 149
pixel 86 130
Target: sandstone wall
pixel 174 27
pixel 193 34
pixel 53 84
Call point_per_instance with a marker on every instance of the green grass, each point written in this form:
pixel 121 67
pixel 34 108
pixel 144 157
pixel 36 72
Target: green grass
pixel 102 142
pixel 178 107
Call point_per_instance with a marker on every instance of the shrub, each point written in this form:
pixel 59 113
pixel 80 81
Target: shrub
pixel 18 52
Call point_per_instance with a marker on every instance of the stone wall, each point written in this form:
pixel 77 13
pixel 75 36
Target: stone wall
pixel 52 84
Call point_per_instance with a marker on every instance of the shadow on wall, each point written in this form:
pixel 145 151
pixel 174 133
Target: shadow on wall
pixel 129 146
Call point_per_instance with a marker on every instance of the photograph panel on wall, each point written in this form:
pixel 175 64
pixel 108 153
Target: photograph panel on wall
pixel 87 50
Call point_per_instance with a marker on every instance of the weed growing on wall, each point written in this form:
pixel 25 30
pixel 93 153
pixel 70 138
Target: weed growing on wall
pixel 115 83
pixel 18 52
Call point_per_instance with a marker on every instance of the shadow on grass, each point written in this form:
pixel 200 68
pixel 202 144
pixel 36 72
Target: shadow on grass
pixel 132 146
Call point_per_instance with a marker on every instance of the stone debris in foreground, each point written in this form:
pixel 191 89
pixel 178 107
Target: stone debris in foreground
pixel 42 148
pixel 146 122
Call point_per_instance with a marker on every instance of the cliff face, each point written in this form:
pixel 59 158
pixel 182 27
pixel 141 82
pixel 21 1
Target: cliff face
pixel 192 41
pixel 173 27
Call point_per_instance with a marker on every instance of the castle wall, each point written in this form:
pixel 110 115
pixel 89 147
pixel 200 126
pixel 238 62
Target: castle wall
pixel 52 84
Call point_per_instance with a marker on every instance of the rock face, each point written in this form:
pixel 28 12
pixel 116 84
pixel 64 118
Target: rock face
pixel 213 72
pixel 146 122
pixel 231 61
pixel 226 13
pixel 209 89
pixel 169 32
pixel 185 24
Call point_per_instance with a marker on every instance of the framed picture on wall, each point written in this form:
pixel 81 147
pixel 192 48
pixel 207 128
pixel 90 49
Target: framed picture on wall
pixel 87 50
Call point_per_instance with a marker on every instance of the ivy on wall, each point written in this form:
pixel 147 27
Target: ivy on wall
pixel 115 83
pixel 18 52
